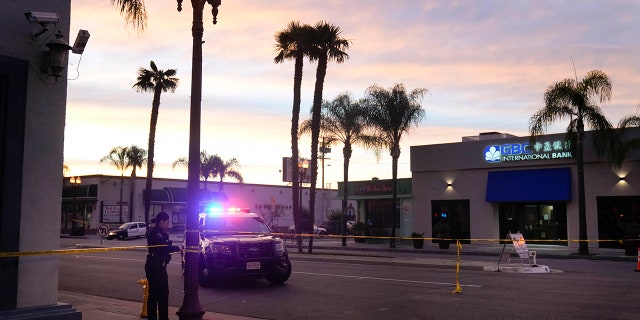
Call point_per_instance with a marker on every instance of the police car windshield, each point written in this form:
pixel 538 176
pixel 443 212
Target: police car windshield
pixel 124 226
pixel 213 224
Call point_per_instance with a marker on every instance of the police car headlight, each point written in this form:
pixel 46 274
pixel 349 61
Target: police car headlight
pixel 280 247
pixel 222 249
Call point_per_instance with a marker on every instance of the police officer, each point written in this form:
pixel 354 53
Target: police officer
pixel 160 248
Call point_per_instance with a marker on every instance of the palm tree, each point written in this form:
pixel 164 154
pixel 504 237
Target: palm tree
pixel 327 45
pixel 136 158
pixel 394 112
pixel 118 158
pixel 578 102
pixel 133 11
pixel 227 169
pixel 625 125
pixel 293 43
pixel 344 120
pixel 208 165
pixel 157 81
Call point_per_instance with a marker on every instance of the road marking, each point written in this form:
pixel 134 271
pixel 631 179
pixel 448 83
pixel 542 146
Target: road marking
pixel 384 279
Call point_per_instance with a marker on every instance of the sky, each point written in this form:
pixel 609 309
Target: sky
pixel 485 64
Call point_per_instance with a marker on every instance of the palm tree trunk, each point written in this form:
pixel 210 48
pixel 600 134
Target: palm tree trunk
pixel 345 189
pixel 295 118
pixel 583 246
pixel 151 152
pixel 321 72
pixel 132 193
pixel 120 203
pixel 395 154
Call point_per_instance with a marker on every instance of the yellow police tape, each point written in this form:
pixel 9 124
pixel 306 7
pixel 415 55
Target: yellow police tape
pixel 192 249
pixel 295 235
pixel 71 251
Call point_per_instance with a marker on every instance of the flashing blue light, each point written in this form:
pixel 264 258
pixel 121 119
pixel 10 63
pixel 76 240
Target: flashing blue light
pixel 213 208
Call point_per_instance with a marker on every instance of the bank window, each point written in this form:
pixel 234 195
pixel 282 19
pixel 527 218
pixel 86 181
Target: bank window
pixel 618 219
pixel 539 223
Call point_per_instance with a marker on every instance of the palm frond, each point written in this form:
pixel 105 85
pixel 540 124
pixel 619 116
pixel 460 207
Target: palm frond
pixel 134 12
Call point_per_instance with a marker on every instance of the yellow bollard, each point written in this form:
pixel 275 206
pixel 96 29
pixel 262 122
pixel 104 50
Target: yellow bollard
pixel 458 288
pixel 145 297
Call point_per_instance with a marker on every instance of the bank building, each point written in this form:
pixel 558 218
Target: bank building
pixel 489 185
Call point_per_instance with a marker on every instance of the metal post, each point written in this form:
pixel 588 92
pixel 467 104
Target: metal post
pixel 75 182
pixel 303 164
pixel 191 308
pixel 74 227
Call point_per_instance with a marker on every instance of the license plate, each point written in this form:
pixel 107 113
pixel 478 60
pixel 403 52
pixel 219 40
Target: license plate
pixel 253 265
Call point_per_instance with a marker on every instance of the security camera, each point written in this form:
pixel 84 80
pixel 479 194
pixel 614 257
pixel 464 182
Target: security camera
pixel 42 17
pixel 81 41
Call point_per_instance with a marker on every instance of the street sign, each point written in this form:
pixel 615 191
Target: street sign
pixel 103 230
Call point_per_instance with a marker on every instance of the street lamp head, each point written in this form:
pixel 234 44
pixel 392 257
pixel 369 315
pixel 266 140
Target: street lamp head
pixel 214 9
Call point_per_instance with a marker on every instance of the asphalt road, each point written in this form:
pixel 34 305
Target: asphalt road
pixel 585 289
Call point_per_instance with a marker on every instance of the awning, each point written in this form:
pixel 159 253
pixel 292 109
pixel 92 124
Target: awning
pixel 159 196
pixel 529 185
pixel 181 195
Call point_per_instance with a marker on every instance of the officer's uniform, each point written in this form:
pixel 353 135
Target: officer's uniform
pixel 156 272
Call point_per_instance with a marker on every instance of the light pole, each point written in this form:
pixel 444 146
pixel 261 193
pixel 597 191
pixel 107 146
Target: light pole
pixel 191 308
pixel 303 165
pixel 75 182
pixel 324 150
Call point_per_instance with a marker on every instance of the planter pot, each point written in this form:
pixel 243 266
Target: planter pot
pixel 443 244
pixel 418 244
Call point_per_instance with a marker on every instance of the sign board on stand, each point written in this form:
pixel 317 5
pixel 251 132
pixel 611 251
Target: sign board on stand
pixel 519 245
pixel 520 248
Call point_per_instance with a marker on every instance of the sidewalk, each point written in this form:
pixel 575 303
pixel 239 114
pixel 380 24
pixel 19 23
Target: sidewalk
pixel 472 257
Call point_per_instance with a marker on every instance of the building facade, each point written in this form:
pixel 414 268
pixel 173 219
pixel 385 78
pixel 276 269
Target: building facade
pixel 96 200
pixel 492 184
pixel 32 118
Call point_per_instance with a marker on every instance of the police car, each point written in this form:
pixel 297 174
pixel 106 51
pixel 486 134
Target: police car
pixel 128 230
pixel 235 243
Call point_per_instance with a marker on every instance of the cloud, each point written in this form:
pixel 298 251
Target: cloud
pixel 486 65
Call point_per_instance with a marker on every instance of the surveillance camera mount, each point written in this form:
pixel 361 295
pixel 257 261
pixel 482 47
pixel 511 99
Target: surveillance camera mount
pixel 43 19
pixel 45 28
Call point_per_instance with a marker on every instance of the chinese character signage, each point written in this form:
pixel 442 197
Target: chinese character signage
pixel 540 150
pixel 111 213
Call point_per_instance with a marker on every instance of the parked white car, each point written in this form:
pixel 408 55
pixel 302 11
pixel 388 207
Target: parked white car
pixel 316 229
pixel 129 230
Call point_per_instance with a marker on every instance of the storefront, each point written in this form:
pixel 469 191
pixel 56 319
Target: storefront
pixel 111 200
pixel 492 184
pixel 374 207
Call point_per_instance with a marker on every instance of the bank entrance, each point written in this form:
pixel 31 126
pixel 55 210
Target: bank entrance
pixel 539 222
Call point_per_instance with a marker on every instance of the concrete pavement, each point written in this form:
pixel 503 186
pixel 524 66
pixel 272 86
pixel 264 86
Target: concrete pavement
pixel 474 256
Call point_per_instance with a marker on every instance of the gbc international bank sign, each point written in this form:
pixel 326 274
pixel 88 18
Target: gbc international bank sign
pixel 540 150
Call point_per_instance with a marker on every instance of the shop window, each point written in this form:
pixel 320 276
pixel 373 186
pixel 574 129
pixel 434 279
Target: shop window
pixel 618 218
pixel 455 215
pixel 379 213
